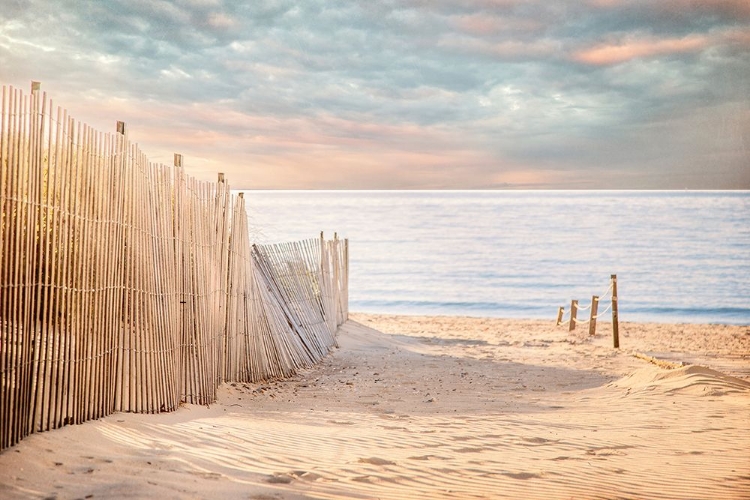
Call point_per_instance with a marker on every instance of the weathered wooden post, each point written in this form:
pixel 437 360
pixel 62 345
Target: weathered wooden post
pixel 573 313
pixel 322 255
pixel 182 273
pixel 592 318
pixel 560 312
pixel 121 127
pixel 615 319
pixel 346 275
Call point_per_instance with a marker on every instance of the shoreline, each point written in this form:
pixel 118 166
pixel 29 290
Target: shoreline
pixel 601 323
pixel 437 407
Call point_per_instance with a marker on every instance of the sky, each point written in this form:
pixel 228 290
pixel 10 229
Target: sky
pixel 411 94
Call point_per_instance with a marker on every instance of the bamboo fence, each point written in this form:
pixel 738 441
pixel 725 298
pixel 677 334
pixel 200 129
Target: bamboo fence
pixel 127 285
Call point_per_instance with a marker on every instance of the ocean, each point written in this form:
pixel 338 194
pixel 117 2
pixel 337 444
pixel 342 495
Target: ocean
pixel 679 256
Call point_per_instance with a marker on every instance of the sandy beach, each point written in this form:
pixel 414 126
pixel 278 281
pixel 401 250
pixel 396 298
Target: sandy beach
pixel 436 407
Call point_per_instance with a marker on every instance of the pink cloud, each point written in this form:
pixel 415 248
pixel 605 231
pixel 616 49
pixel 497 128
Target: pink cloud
pixel 325 151
pixel 605 54
pixel 220 20
pixel 509 49
pixel 483 24
pixel 611 53
pixel 738 37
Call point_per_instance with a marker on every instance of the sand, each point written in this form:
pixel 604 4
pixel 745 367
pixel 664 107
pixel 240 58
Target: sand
pixel 436 407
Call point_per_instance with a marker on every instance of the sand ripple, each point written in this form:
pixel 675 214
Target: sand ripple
pixel 520 410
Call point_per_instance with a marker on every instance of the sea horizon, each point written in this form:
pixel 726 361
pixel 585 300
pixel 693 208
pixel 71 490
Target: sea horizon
pixel 679 254
pixel 489 190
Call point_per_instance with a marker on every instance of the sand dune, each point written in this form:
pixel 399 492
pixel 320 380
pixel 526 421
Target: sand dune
pixel 695 380
pixel 435 407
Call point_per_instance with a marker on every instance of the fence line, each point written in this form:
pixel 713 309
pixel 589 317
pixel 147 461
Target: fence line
pixel 127 285
pixel 594 314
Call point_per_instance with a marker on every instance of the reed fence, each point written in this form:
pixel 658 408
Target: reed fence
pixel 127 285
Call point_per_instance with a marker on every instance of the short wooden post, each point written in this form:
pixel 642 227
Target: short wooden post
pixel 177 160
pixel 573 312
pixel 35 86
pixel 121 128
pixel 615 319
pixel 592 318
pixel 221 177
pixel 560 312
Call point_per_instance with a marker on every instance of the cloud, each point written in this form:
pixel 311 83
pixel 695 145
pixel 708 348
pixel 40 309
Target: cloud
pixel 634 46
pixel 726 10
pixel 606 54
pixel 413 93
pixel 487 25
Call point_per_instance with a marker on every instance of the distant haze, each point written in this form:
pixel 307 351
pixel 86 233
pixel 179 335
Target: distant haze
pixel 405 94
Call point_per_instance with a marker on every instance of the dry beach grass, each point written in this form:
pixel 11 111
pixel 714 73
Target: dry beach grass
pixel 436 407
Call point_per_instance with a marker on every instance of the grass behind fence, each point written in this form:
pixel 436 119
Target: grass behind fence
pixel 130 286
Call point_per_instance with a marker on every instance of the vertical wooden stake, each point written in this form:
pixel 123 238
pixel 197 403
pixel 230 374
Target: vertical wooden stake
pixel 615 319
pixel 346 277
pixel 177 160
pixel 560 312
pixel 592 318
pixel 121 128
pixel 573 313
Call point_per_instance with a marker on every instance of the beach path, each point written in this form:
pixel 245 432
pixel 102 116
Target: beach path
pixel 435 407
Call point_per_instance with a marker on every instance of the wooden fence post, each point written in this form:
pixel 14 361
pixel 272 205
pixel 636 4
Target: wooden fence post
pixel 573 312
pixel 560 312
pixel 592 318
pixel 615 319
pixel 177 160
pixel 346 275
